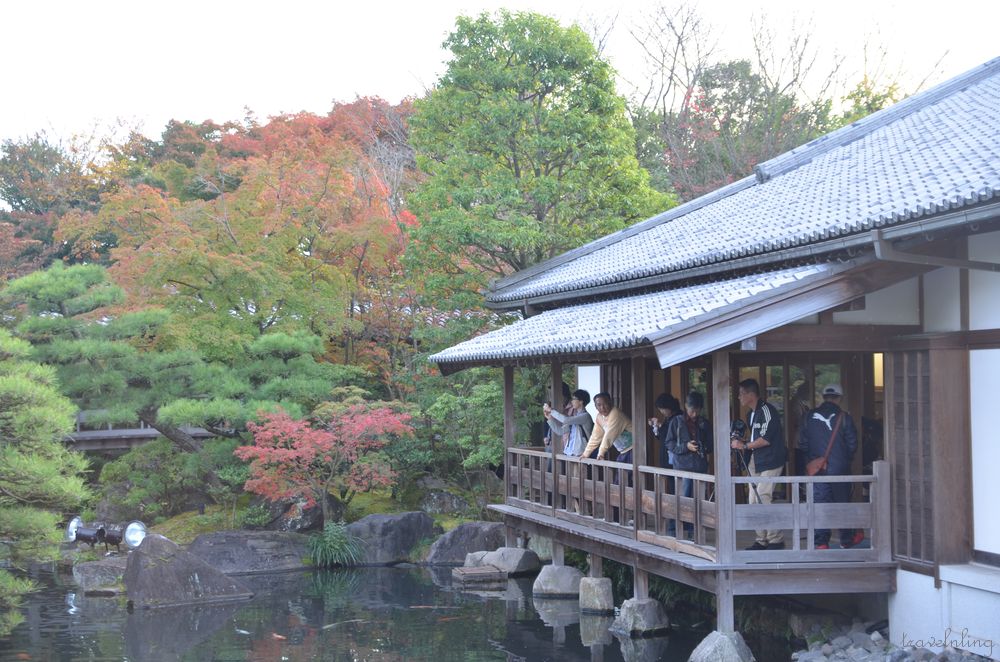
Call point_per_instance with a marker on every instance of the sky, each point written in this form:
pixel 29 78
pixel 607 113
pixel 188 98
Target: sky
pixel 78 67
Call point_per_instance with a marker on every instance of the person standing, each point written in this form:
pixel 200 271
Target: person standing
pixel 667 407
pixel 829 432
pixel 612 428
pixel 689 438
pixel 767 453
pixel 575 425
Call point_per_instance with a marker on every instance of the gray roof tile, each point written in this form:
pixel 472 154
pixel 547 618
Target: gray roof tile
pixel 625 322
pixel 931 153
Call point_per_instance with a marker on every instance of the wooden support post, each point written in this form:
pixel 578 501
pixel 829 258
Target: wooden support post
pixel 556 445
pixel 510 536
pixel 558 554
pixel 508 427
pixel 596 565
pixel 724 492
pixel 639 399
pixel 640 584
pixel 725 611
pixel 882 526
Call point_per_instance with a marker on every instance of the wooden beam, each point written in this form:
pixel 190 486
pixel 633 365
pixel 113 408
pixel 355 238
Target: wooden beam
pixel 558 554
pixel 832 337
pixel 724 494
pixel 952 466
pixel 639 399
pixel 725 612
pixel 640 584
pixel 596 562
pixel 508 423
pixel 555 447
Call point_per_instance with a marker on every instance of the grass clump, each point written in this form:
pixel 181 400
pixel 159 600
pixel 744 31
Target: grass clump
pixel 334 546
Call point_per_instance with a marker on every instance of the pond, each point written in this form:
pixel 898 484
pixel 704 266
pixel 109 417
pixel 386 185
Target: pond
pixel 358 614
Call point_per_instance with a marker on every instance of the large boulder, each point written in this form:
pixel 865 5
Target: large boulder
pixel 294 516
pixel 390 539
pixel 452 547
pixel 251 552
pixel 557 581
pixel 161 574
pixel 722 647
pixel 103 574
pixel 443 502
pixel 640 617
pixel 512 560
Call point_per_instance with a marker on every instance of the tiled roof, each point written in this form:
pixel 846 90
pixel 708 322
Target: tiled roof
pixel 935 151
pixel 626 322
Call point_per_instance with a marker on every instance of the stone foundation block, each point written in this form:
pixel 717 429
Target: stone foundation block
pixel 641 617
pixel 596 596
pixel 722 647
pixel 557 581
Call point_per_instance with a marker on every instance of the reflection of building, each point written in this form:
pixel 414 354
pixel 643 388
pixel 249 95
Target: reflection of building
pixel 871 252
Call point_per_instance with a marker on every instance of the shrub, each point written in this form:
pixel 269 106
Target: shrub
pixel 255 516
pixel 335 546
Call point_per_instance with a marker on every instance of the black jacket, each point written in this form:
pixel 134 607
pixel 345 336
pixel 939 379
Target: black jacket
pixel 677 439
pixel 814 437
pixel 766 422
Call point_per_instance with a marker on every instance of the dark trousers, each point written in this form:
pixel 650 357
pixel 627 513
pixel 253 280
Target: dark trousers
pixel 832 493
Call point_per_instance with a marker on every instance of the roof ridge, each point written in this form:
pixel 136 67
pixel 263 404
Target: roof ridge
pixel 625 233
pixel 802 154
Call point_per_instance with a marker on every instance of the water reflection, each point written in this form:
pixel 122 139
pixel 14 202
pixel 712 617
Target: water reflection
pixel 365 614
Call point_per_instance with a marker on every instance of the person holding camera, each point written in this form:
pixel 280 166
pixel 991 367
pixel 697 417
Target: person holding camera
pixel 828 440
pixel 766 450
pixel 689 438
pixel 575 424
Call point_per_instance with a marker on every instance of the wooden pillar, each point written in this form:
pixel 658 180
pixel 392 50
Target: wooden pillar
pixel 558 554
pixel 508 424
pixel 596 565
pixel 640 584
pixel 724 493
pixel 556 445
pixel 725 611
pixel 639 399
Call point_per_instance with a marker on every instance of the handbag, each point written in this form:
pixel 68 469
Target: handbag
pixel 817 464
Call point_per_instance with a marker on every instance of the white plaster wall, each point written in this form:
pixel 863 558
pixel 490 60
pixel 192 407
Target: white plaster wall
pixel 915 609
pixel 942 301
pixel 897 304
pixel 984 286
pixel 962 613
pixel 984 390
pixel 588 377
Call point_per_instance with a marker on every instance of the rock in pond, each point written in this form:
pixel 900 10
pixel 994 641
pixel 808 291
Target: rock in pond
pixel 641 618
pixel 452 547
pixel 390 539
pixel 160 574
pixel 722 647
pixel 251 552
pixel 557 581
pixel 512 560
pixel 102 574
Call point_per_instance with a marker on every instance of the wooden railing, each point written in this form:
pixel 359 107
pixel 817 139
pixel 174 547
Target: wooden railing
pixel 603 495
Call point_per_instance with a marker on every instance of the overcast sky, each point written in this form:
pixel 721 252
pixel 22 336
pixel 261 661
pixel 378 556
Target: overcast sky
pixel 71 65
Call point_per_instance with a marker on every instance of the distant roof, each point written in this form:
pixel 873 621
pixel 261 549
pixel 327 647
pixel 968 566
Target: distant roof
pixel 647 319
pixel 931 153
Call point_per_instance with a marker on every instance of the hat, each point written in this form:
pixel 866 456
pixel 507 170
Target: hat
pixel 833 389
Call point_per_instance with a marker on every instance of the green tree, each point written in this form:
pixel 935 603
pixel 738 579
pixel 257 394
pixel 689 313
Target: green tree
pixel 527 152
pixel 39 477
pixel 133 365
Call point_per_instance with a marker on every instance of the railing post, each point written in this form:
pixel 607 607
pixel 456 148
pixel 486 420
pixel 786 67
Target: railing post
pixel 508 428
pixel 881 494
pixel 724 493
pixel 638 438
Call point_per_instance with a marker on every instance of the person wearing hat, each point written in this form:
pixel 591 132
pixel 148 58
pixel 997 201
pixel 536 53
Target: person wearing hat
pixel 829 432
pixel 689 438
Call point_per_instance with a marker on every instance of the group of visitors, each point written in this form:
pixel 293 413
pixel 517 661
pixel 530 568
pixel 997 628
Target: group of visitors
pixel 827 440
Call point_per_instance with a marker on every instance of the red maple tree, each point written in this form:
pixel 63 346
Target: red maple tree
pixel 295 459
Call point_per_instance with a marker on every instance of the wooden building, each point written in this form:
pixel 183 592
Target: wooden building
pixel 867 257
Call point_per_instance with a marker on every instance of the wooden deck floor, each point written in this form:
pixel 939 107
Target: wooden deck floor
pixel 766 577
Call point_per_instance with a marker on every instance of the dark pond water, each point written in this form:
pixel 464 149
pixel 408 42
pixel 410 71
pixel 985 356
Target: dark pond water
pixel 365 614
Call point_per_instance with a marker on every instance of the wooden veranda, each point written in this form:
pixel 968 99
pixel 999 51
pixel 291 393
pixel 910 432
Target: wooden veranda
pixel 636 514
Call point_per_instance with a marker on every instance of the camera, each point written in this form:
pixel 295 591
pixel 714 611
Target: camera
pixel 737 429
